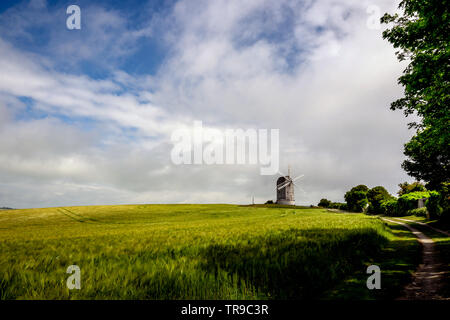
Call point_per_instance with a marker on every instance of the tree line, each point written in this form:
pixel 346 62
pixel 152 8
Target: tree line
pixel 378 200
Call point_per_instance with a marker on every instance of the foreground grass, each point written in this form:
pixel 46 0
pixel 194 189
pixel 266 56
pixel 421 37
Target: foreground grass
pixel 183 251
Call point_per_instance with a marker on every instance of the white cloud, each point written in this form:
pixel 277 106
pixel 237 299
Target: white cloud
pixel 78 96
pixel 312 69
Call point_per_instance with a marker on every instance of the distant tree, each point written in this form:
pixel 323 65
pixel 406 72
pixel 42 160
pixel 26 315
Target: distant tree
pixel 269 202
pixel 324 203
pixel 356 198
pixel 338 205
pixel 376 196
pixel 421 33
pixel 406 187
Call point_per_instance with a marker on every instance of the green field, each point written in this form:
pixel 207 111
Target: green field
pixel 184 251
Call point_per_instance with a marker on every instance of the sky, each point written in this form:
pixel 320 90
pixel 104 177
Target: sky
pixel 87 116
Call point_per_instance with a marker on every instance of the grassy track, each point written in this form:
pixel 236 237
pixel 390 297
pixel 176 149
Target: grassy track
pixel 398 260
pixel 442 247
pixel 182 251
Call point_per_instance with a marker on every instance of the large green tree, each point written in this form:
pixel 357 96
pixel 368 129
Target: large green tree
pixel 376 196
pixel 325 203
pixel 421 33
pixel 356 198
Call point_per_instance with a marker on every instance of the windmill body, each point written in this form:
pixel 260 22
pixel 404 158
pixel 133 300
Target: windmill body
pixel 285 188
pixel 285 191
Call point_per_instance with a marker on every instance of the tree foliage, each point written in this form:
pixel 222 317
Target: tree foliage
pixel 433 205
pixel 406 187
pixel 376 196
pixel 422 36
pixel 356 198
pixel 325 203
pixel 410 201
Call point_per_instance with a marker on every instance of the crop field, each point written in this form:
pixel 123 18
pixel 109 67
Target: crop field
pixel 182 251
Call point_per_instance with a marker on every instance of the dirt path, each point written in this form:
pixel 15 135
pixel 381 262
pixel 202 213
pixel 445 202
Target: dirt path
pixel 427 279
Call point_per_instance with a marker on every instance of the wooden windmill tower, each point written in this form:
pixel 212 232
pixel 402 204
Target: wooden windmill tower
pixel 285 189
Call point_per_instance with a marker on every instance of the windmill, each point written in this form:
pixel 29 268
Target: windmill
pixel 285 188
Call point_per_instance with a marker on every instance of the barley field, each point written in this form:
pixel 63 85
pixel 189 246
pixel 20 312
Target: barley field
pixel 182 251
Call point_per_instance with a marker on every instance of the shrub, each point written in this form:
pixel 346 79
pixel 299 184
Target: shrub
pixel 409 201
pixel 419 212
pixel 389 207
pixel 433 205
pixel 338 205
pixel 445 202
pixel 269 202
pixel 324 203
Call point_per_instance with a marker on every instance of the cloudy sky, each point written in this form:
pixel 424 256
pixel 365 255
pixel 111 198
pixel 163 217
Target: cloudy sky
pixel 86 116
